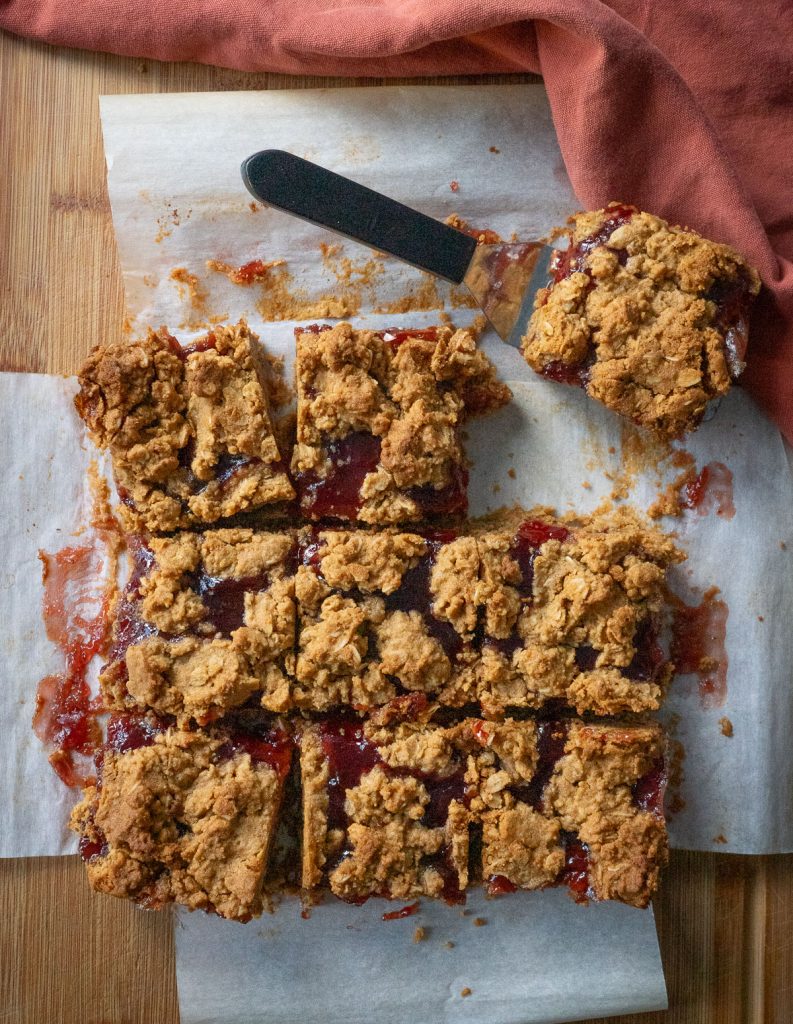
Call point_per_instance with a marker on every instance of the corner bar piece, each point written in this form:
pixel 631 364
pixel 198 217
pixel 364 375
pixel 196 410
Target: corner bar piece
pixel 384 806
pixel 572 612
pixel 207 621
pixel 562 802
pixel 183 817
pixel 379 416
pixel 384 613
pixel 189 430
pixel 650 319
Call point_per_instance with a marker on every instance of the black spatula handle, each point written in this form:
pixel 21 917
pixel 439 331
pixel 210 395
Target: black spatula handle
pixel 315 194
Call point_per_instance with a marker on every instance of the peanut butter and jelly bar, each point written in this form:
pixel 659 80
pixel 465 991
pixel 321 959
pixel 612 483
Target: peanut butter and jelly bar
pixel 189 429
pixel 382 614
pixel 561 802
pixel 384 806
pixel 648 318
pixel 207 621
pixel 183 817
pixel 572 611
pixel 379 416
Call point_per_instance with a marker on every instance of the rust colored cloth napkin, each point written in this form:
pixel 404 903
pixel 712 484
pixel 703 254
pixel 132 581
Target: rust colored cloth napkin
pixel 684 108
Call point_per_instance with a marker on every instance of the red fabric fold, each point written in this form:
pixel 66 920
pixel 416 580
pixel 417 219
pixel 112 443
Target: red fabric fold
pixel 682 108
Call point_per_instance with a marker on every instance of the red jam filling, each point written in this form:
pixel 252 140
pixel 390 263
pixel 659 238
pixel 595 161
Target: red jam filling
pixel 733 301
pixel 451 500
pixel 699 635
pixel 225 599
pixel 270 746
pixel 575 873
pixel 408 911
pixel 500 885
pixel 130 731
pixel 710 489
pixel 350 756
pixel 572 260
pixel 649 790
pixel 394 338
pixel 414 594
pixel 577 374
pixel 337 495
pixel 76 619
pixel 530 537
pixel 551 739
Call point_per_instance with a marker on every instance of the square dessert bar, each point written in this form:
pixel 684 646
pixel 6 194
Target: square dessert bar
pixel 184 817
pixel 384 613
pixel 189 429
pixel 648 318
pixel 561 802
pixel 379 416
pixel 206 622
pixel 572 611
pixel 384 806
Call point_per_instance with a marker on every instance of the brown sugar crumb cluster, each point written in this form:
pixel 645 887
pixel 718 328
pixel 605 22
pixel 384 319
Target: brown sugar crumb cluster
pixel 523 611
pixel 561 801
pixel 189 429
pixel 384 645
pixel 183 817
pixel 206 621
pixel 572 611
pixel 389 805
pixel 648 318
pixel 383 613
pixel 379 418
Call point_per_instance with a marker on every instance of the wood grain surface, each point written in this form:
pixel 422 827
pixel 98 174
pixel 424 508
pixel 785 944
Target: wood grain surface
pixel 68 956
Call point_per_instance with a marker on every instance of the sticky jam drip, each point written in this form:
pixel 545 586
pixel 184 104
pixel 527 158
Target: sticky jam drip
pixel 710 490
pixel 76 610
pixel 699 634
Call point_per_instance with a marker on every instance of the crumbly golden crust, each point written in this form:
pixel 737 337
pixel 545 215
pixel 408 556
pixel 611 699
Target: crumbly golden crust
pixel 597 593
pixel 191 438
pixel 383 844
pixel 591 793
pixel 199 656
pixel 642 304
pixel 365 630
pixel 413 397
pixel 589 797
pixel 181 821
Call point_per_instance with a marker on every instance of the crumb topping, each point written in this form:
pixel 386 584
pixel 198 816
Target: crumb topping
pixel 177 821
pixel 643 315
pixel 411 398
pixel 584 627
pixel 189 431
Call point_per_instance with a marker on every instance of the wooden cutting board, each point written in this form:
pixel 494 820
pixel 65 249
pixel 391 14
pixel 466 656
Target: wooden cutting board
pixel 68 956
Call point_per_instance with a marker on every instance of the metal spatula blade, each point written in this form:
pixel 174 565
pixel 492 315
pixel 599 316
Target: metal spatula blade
pixel 502 277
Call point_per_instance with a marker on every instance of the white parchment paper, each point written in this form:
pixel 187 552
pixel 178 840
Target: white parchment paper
pixel 178 201
pixel 43 502
pixel 538 958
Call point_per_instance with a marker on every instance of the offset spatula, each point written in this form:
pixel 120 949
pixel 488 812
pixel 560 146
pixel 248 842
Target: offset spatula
pixel 503 277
